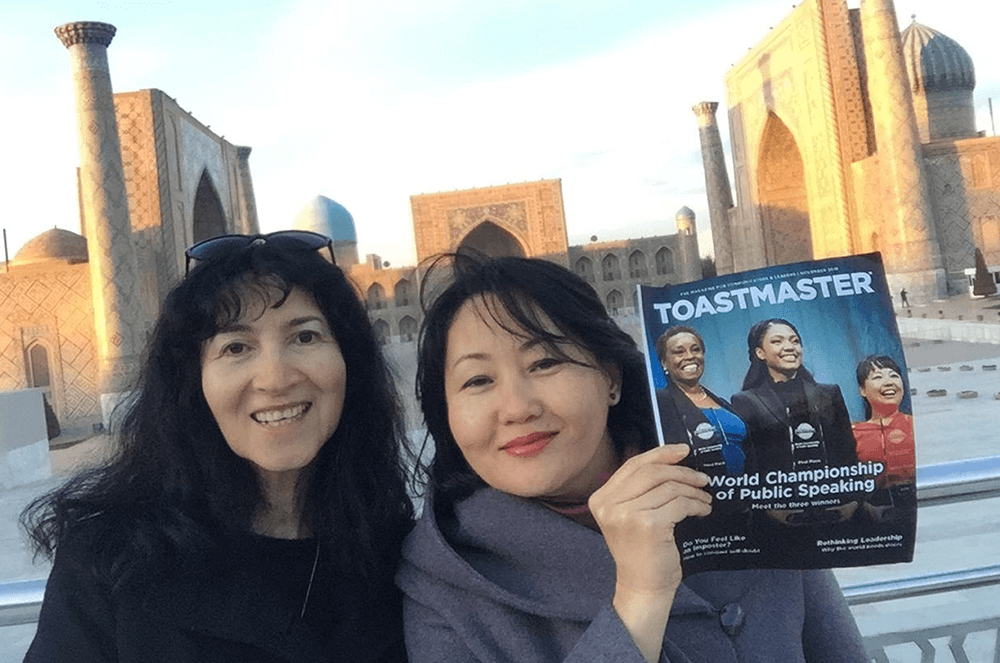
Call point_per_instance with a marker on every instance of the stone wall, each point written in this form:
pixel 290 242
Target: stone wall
pixel 964 179
pixel 49 304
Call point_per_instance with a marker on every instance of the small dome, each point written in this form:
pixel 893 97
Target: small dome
pixel 327 217
pixel 685 213
pixel 935 61
pixel 55 244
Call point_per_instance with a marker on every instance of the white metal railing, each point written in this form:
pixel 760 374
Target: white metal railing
pixel 944 483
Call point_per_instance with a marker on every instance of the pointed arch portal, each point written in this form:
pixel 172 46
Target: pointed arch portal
pixel 784 205
pixel 490 239
pixel 209 219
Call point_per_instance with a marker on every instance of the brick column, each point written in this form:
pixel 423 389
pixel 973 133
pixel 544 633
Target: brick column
pixel 720 196
pixel 114 272
pixel 912 253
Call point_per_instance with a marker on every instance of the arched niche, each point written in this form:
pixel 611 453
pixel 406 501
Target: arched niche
pixel 403 293
pixel 376 297
pixel 490 239
pixel 407 328
pixel 209 218
pixel 39 373
pixel 781 195
pixel 381 330
pixel 664 261
pixel 614 302
pixel 585 269
pixel 610 268
pixel 637 265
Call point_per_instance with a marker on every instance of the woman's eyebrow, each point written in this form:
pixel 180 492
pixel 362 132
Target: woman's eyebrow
pixel 471 356
pixel 295 322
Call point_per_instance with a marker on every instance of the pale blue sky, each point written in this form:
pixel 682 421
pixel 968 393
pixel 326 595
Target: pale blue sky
pixel 371 101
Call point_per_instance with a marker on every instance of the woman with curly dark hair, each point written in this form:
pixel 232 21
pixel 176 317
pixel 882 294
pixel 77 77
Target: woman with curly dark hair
pixel 254 505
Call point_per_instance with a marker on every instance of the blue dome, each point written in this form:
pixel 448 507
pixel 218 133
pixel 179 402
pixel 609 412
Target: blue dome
pixel 935 61
pixel 327 217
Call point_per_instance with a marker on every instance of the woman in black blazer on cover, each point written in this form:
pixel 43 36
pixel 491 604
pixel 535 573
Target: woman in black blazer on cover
pixel 795 423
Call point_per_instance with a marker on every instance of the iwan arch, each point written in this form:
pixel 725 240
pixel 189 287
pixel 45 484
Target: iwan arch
pixel 849 136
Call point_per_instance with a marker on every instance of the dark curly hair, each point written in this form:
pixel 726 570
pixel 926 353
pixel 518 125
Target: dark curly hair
pixel 173 491
pixel 521 295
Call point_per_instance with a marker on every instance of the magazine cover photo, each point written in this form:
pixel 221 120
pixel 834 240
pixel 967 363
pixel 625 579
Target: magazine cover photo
pixel 789 386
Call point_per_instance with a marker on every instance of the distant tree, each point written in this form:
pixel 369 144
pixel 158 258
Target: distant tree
pixel 984 283
pixel 708 267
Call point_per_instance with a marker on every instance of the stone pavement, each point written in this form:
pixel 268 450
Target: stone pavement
pixel 959 308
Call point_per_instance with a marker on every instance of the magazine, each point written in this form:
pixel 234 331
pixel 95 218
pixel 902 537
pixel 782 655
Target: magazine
pixel 789 386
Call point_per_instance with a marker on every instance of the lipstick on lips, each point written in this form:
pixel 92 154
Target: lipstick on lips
pixel 529 445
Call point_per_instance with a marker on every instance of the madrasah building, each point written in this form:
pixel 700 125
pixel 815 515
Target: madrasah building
pixel 75 309
pixel 849 136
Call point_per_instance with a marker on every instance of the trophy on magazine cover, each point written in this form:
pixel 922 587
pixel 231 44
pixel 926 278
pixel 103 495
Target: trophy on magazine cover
pixel 805 439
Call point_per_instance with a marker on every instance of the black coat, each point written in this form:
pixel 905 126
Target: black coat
pixel 765 415
pixel 676 408
pixel 204 616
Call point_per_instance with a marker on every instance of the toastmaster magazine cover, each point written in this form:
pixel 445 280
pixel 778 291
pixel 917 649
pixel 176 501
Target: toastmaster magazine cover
pixel 790 387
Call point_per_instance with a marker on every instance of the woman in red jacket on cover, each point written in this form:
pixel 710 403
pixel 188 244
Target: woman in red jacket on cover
pixel 886 436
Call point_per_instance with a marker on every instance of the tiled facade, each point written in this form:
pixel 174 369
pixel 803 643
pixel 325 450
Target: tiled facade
pixel 521 219
pixel 830 157
pixel 47 327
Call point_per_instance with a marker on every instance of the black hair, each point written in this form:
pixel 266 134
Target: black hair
pixel 757 373
pixel 521 295
pixel 661 341
pixel 174 492
pixel 865 368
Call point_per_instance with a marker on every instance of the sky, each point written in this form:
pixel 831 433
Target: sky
pixel 371 101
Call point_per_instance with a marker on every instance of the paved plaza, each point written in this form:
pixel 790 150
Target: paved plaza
pixel 949 537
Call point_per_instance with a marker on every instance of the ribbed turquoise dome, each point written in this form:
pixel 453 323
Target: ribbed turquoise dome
pixel 935 61
pixel 327 217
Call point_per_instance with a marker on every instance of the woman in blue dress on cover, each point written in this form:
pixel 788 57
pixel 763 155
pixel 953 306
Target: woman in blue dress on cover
pixel 692 414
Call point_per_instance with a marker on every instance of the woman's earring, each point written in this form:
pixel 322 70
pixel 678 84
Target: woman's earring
pixel 615 396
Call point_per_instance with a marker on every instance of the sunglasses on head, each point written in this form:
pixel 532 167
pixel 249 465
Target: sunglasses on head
pixel 289 240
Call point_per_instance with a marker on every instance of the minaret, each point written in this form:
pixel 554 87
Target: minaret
pixel 249 225
pixel 910 245
pixel 687 245
pixel 720 196
pixel 114 272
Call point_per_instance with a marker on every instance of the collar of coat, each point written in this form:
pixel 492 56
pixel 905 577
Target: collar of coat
pixel 520 553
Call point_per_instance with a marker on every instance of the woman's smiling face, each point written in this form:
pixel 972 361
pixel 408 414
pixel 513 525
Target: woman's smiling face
pixel 528 422
pixel 275 383
pixel 685 358
pixel 883 389
pixel 781 350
